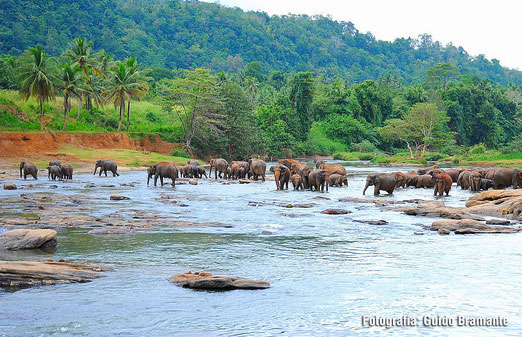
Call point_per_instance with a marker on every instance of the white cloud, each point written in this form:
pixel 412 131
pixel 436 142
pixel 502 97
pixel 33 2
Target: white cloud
pixel 480 27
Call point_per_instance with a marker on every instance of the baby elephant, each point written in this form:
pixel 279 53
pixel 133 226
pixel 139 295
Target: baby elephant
pixel 66 170
pixel 54 172
pixel 338 180
pixel 297 182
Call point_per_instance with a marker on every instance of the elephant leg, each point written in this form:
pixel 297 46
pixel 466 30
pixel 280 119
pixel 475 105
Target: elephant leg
pixel 376 190
pixel 161 180
pixel 155 179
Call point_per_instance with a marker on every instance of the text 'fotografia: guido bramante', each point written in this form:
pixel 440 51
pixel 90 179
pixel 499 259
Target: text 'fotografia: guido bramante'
pixel 433 321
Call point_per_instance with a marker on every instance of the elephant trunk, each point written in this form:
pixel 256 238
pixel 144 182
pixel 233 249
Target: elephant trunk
pixel 277 174
pixel 366 186
pixel 95 168
pixel 21 167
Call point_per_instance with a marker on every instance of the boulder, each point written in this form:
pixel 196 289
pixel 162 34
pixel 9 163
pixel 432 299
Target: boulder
pixel 207 281
pixel 118 197
pixel 443 231
pixel 335 211
pixel 436 209
pixel 244 181
pixel 31 273
pixel 28 239
pixel 193 181
pixel 51 187
pixel 373 222
pixel 10 187
pixel 469 226
pixel 501 203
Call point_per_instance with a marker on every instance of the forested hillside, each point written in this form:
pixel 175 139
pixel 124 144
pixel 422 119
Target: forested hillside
pixel 174 34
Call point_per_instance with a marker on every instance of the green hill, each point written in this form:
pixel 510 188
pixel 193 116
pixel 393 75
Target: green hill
pixel 175 34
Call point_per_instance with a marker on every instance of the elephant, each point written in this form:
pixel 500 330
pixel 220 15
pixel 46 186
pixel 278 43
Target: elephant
pixel 336 168
pixel 337 180
pixel 151 170
pixel 195 170
pixel 453 173
pixel 220 165
pixel 475 181
pixel 318 179
pixel 234 171
pixel 242 173
pixel 400 178
pixel 187 171
pixel 425 170
pixel 297 182
pixel 193 162
pixel 486 184
pixel 507 176
pixel 257 168
pixel 383 182
pixel 288 162
pixel 295 167
pixel 281 174
pixel 243 164
pixel 483 172
pixel 319 163
pixel 443 184
pixel 165 170
pixel 29 169
pixel 106 165
pixel 228 173
pixel 435 172
pixel 412 179
pixel 201 171
pixel 67 170
pixel 425 181
pixel 490 174
pixel 55 162
pixel 304 172
pixel 54 172
pixel 463 179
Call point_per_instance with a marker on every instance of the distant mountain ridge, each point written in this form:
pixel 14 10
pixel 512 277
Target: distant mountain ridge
pixel 175 34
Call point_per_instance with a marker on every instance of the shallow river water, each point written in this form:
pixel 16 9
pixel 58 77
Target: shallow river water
pixel 325 271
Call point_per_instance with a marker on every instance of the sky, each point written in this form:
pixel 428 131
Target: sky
pixel 492 28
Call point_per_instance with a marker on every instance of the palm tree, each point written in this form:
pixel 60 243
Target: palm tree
pixel 80 53
pixel 138 78
pixel 36 78
pixel 72 84
pixel 119 88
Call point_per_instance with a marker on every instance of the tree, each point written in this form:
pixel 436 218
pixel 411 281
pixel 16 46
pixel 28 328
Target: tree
pixel 72 84
pixel 194 98
pixel 440 75
pixel 424 125
pixel 138 79
pixel 301 97
pixel 36 78
pixel 120 87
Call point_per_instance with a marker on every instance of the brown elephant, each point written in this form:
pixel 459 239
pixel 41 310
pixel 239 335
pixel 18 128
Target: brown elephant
pixel 242 173
pixel 257 167
pixel 336 168
pixel 475 178
pixel 400 179
pixel 282 175
pixel 28 169
pixel 106 165
pixel 187 171
pixel 337 180
pixel 453 173
pixel 234 171
pixel 67 170
pixel 507 176
pixel 486 184
pixel 318 179
pixel 220 165
pixel 443 184
pixel 193 162
pixel 491 174
pixel 425 181
pixel 304 172
pixel 151 170
pixel 297 182
pixel 165 171
pixel 288 162
pixel 318 162
pixel 55 162
pixel 463 179
pixel 295 168
pixel 54 172
pixel 425 170
pixel 385 182
pixel 483 171
pixel 411 180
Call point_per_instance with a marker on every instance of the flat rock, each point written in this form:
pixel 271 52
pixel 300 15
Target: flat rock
pixel 51 187
pixel 280 204
pixel 10 187
pixel 335 211
pixel 244 181
pixel 90 185
pixel 469 226
pixel 207 281
pixel 498 222
pixel 28 239
pixel 107 185
pixel 376 201
pixel 193 181
pixel 373 222
pixel 118 197
pixel 266 233
pixel 31 273
pixel 498 203
pixel 109 231
pixel 438 209
pixel 443 231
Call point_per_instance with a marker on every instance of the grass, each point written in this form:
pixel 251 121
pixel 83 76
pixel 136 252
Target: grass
pixel 354 156
pixel 146 117
pixel 123 157
pixel 319 143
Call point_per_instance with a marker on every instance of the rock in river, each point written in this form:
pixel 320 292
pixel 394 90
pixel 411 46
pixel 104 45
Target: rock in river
pixel 118 197
pixel 9 187
pixel 28 238
pixel 335 211
pixel 31 273
pixel 207 281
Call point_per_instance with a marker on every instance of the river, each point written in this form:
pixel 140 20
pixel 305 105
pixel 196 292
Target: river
pixel 326 271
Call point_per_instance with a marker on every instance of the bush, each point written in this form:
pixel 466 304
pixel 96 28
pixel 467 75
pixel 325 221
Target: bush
pixel 433 156
pixel 365 146
pixel 152 117
pixel 478 149
pixel 180 153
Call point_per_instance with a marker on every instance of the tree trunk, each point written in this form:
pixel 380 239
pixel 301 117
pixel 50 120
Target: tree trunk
pixel 79 106
pixel 122 104
pixel 41 114
pixel 65 109
pixel 128 113
pixel 423 150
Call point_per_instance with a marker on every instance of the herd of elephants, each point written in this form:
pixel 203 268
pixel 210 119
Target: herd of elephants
pixel 303 176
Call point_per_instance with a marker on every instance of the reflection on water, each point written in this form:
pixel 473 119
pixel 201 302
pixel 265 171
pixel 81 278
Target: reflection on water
pixel 326 271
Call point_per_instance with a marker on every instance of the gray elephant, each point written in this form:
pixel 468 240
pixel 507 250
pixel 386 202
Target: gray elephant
pixel 54 172
pixel 193 162
pixel 338 180
pixel 318 180
pixel 67 171
pixel 297 182
pixel 257 167
pixel 106 165
pixel 281 175
pixel 507 176
pixel 165 170
pixel 426 181
pixel 475 179
pixel 318 162
pixel 220 165
pixel 28 169
pixel 383 182
pixel 55 162
pixel 304 172
pixel 486 184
